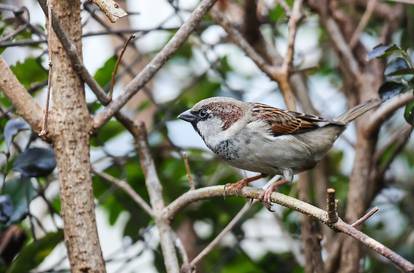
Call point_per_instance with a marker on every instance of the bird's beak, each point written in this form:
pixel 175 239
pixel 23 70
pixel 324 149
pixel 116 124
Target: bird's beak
pixel 187 116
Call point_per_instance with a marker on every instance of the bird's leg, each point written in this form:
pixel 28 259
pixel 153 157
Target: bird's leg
pixel 239 185
pixel 275 183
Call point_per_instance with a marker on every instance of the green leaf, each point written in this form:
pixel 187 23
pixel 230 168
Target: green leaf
pixel 104 74
pixel 21 192
pixel 381 51
pixel 30 71
pixel 185 51
pixel 35 252
pixel 276 13
pixel 391 88
pixel 409 113
pixel 398 66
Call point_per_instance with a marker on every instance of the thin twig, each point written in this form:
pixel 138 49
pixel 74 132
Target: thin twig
pixel 181 250
pixel 216 191
pixel 118 61
pixel 222 233
pixel 123 185
pixel 292 28
pixel 111 9
pixel 148 72
pixel 188 171
pixel 18 13
pixel 365 217
pixel 154 188
pixel 385 111
pixel 49 76
pixel 25 105
pixel 363 22
pixel 81 70
pixel 275 73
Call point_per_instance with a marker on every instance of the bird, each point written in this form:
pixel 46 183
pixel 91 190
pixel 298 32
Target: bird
pixel 271 141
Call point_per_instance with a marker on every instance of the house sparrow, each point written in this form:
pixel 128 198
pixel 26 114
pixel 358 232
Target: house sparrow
pixel 260 138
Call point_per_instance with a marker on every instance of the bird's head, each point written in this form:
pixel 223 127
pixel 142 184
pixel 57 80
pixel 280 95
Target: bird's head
pixel 214 118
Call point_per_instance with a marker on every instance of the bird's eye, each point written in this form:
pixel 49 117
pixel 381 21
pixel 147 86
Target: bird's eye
pixel 203 113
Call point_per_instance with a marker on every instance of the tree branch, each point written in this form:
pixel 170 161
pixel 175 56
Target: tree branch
pixel 111 9
pixel 217 191
pixel 385 111
pixel 155 64
pixel 124 186
pixel 25 105
pixel 155 193
pixel 214 243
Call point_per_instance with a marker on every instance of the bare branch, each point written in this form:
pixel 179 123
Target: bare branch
pixel 188 171
pixel 222 233
pixel 385 111
pixel 81 70
pixel 124 186
pixel 111 9
pixel 365 217
pixel 18 13
pixel 342 47
pixel 49 76
pixel 363 22
pixel 156 63
pixel 25 105
pixel 76 61
pixel 275 73
pixel 216 191
pixel 157 203
pixel 292 27
pixel 181 250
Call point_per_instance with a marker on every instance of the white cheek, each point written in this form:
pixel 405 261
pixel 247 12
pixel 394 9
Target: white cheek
pixel 210 128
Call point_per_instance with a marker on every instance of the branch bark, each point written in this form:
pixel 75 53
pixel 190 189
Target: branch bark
pixel 25 105
pixel 156 63
pixel 70 125
pixel 111 9
pixel 218 191
pixel 155 193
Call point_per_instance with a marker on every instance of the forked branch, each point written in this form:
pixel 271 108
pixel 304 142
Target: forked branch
pixel 217 191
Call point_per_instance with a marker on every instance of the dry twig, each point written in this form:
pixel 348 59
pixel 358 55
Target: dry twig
pixel 118 61
pixel 157 203
pixel 215 191
pixel 124 186
pixel 188 171
pixel 365 217
pixel 155 64
pixel 331 203
pixel 111 9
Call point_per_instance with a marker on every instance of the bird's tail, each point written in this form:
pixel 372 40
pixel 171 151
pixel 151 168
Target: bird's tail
pixel 358 110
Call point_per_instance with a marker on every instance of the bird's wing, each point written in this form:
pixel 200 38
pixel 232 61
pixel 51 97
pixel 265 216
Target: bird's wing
pixel 282 122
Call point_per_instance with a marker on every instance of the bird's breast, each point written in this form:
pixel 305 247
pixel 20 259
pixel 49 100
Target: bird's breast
pixel 227 149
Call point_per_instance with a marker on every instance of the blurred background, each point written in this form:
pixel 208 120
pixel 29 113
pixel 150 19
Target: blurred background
pixel 207 65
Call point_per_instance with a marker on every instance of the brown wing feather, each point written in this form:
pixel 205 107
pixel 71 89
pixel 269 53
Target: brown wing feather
pixel 287 122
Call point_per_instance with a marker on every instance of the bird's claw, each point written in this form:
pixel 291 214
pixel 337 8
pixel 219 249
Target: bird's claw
pixel 236 187
pixel 266 198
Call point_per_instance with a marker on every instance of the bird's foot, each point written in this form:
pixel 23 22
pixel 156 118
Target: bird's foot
pixel 266 196
pixel 236 187
pixel 239 185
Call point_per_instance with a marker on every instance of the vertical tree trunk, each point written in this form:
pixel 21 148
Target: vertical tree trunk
pixel 70 125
